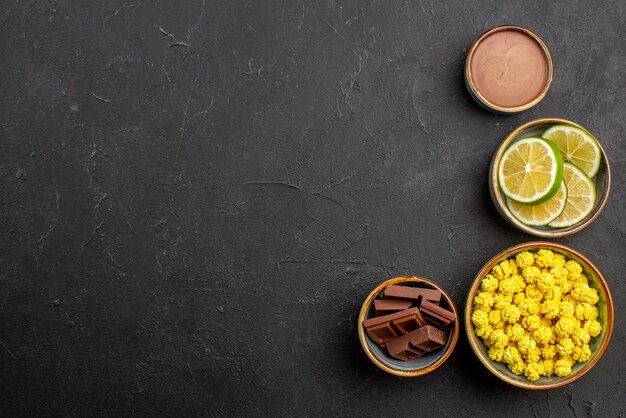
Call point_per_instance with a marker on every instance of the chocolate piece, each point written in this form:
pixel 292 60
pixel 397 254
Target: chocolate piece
pixel 387 327
pixel 436 315
pixel 402 349
pixel 410 321
pixel 388 306
pixel 395 291
pixel 416 343
pixel 428 338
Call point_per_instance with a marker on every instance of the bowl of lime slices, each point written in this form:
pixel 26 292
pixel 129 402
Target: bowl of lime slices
pixel 550 177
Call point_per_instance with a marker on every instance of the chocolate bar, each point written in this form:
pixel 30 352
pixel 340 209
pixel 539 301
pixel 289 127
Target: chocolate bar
pixel 416 343
pixel 402 349
pixel 383 329
pixel 405 292
pixel 388 306
pixel 435 314
pixel 428 338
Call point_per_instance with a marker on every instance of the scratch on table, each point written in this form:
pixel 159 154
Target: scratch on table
pixel 179 43
pixel 183 124
pixel 102 99
pixel 164 32
pixel 93 233
pixel 7 349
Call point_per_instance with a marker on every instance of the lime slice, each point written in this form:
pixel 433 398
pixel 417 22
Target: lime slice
pixel 530 171
pixel 577 147
pixel 581 197
pixel 543 213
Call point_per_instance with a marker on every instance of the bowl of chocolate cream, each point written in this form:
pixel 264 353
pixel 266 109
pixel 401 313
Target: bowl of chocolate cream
pixel 508 69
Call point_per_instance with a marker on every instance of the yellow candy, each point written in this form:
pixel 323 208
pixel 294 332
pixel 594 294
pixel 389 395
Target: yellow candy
pixel 480 318
pixel 489 283
pixel 533 371
pixel 536 313
pixel 483 300
pixel 567 286
pixel 543 334
pixel 484 332
pixel 529 306
pixel 548 351
pixel 545 282
pixel 511 355
pixel 495 316
pixel 548 367
pixel 544 258
pixel 511 314
pixel 498 339
pixel 581 337
pixel 573 267
pixel 509 286
pixel 566 309
pixel 515 332
pixel 531 274
pixel 533 355
pixel 507 268
pixel 584 293
pixel 496 354
pixel 589 312
pixel 531 322
pixel 554 292
pixel 560 274
pixel 500 301
pixel 533 292
pixel 550 309
pixel 566 326
pixel 525 344
pixel 579 311
pixel 581 354
pixel 564 347
pixel 558 260
pixel 524 259
pixel 580 280
pixel 497 272
pixel 518 367
pixel 563 367
pixel 594 328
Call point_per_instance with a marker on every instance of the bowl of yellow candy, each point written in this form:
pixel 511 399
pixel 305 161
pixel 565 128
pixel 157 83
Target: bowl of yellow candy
pixel 539 315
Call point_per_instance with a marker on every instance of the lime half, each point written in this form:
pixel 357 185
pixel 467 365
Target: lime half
pixel 543 213
pixel 581 197
pixel 530 171
pixel 577 147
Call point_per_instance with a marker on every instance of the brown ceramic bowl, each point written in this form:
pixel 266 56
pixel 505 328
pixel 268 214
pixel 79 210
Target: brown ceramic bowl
pixel 421 365
pixel 597 344
pixel 482 100
pixel 602 180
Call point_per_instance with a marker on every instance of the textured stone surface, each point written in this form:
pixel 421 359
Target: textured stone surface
pixel 196 196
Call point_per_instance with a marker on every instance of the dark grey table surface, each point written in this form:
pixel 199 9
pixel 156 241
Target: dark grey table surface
pixel 196 196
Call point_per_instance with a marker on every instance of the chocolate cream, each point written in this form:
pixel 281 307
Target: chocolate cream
pixel 509 68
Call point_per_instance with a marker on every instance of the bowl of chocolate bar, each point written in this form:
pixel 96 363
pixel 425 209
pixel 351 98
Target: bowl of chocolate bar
pixel 408 326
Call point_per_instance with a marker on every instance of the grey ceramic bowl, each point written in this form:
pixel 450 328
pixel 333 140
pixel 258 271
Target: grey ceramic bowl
pixel 421 365
pixel 602 180
pixel 598 344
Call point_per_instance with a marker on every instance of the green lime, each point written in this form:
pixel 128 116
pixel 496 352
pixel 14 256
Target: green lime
pixel 543 213
pixel 577 147
pixel 581 197
pixel 530 171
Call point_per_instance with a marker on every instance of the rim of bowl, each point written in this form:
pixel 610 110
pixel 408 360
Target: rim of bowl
pixel 498 197
pixel 363 338
pixel 472 338
pixel 478 94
